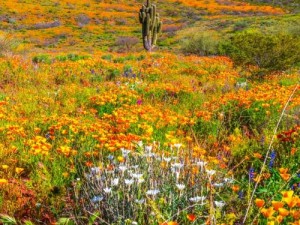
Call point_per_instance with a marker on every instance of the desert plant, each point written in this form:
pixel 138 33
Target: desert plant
pixel 204 43
pixel 268 51
pixel 151 25
pixel 7 44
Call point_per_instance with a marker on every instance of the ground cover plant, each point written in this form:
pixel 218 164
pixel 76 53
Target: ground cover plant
pixel 203 129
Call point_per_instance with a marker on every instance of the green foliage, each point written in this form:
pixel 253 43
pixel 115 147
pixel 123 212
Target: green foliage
pixel 105 109
pixel 42 59
pixel 287 82
pixel 75 57
pixel 203 129
pixel 254 117
pixel 7 220
pixel 268 51
pixel 65 221
pixel 107 57
pixel 113 73
pixel 205 43
pixel 7 44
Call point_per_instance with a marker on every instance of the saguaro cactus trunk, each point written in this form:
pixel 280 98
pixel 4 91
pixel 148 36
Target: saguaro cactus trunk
pixel 151 25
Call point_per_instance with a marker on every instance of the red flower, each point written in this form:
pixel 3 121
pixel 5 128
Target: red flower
pixel 191 217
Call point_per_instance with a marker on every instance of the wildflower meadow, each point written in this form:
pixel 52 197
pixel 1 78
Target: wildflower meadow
pixel 149 112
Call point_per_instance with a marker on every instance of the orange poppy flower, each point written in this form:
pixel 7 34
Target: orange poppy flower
pixel 287 194
pixel 295 214
pixel 257 155
pixel 293 151
pixel 267 212
pixel 285 176
pixel 169 223
pixel 235 188
pixel 277 205
pixel 279 219
pixel 283 170
pixel 283 212
pixel 259 202
pixel 191 217
pixel 297 199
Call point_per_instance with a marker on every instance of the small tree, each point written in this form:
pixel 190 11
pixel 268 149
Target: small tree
pixel 268 51
pixel 151 25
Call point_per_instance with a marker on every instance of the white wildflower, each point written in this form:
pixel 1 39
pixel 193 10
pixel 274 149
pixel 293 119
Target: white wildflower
pixel 129 182
pixel 219 204
pixel 139 201
pixel 122 168
pixel 140 143
pixel 180 186
pixel 197 199
pixel 167 159
pixel 202 164
pixel 125 152
pixel 115 182
pixel 210 172
pixel 141 180
pixel 148 148
pixel 228 180
pixel 107 190
pixel 137 175
pixel 177 165
pixel 177 145
pixel 218 184
pixel 152 192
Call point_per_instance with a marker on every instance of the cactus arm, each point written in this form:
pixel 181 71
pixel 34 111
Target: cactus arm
pixel 151 25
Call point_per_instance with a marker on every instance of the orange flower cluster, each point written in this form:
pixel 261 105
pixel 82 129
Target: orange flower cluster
pixel 39 146
pixel 217 6
pixel 277 212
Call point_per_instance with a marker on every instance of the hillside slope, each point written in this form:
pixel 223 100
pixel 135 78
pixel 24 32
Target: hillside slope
pixel 103 25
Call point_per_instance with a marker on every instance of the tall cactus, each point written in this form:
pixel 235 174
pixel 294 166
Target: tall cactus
pixel 151 25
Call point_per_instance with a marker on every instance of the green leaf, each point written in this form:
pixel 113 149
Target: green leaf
pixel 65 221
pixel 93 218
pixel 27 222
pixel 7 220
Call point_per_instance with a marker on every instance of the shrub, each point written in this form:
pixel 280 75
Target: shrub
pixel 205 43
pixel 268 51
pixel 41 59
pixel 126 42
pixel 82 20
pixel 107 57
pixel 75 57
pixel 7 44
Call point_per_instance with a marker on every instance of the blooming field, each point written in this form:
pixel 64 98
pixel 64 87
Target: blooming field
pixel 93 130
pixel 69 25
pixel 193 135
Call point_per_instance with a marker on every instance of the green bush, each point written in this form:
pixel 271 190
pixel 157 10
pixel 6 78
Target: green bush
pixel 205 43
pixel 7 44
pixel 268 51
pixel 42 59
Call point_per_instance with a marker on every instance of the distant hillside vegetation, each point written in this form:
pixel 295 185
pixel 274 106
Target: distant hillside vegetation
pixel 292 5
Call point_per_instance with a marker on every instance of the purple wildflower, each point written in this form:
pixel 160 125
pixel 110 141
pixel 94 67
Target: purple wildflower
pixel 272 156
pixel 251 174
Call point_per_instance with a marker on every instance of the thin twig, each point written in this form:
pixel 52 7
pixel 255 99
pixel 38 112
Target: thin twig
pixel 267 154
